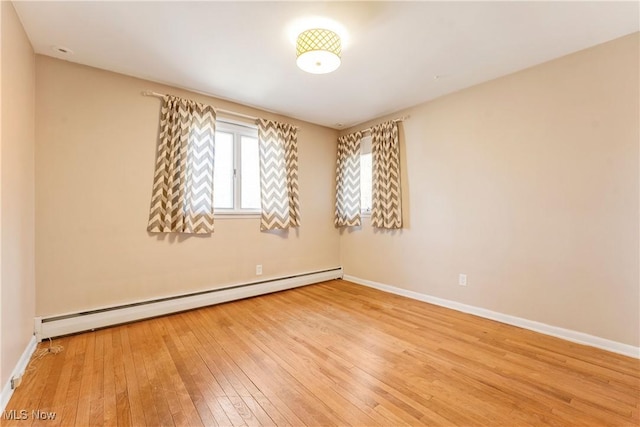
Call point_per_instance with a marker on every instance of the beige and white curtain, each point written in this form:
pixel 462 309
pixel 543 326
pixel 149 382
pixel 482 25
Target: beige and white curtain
pixel 182 198
pixel 278 175
pixel 347 212
pixel 386 210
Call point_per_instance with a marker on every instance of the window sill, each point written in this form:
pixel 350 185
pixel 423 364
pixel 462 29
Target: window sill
pixel 366 214
pixel 236 215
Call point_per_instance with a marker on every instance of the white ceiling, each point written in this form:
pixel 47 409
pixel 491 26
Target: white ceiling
pixel 241 50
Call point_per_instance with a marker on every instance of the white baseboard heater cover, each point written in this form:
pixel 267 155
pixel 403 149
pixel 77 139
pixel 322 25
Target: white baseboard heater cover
pixel 55 326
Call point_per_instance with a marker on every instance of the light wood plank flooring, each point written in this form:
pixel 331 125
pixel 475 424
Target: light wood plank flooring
pixel 329 354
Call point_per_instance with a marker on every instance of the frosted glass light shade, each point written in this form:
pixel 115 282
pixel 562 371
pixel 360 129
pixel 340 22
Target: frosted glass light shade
pixel 318 51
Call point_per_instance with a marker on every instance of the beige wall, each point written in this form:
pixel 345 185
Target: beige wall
pixel 17 191
pixel 95 152
pixel 529 185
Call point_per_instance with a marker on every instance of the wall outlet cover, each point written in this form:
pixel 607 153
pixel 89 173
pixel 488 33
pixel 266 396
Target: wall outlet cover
pixel 462 280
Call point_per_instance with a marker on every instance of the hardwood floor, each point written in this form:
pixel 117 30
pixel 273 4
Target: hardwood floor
pixel 329 354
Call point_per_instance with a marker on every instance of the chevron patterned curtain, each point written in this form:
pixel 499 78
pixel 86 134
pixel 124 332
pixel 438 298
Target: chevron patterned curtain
pixel 278 175
pixel 386 210
pixel 182 198
pixel 348 181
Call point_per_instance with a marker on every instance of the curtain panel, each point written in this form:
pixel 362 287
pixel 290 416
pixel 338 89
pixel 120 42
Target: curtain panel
pixel 348 207
pixel 278 144
pixel 182 196
pixel 386 210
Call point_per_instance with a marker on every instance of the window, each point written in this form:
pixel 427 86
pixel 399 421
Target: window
pixel 236 177
pixel 366 178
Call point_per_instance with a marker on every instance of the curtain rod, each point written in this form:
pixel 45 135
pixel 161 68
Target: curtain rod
pixel 399 119
pixel 221 110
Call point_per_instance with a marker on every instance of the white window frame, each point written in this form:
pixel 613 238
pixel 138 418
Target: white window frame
pixel 238 130
pixel 366 148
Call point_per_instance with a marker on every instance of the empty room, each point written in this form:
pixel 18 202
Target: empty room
pixel 319 213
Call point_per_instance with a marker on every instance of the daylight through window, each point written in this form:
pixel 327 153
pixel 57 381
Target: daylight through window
pixel 236 170
pixel 365 175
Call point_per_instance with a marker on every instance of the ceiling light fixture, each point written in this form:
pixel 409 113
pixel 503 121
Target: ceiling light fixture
pixel 318 51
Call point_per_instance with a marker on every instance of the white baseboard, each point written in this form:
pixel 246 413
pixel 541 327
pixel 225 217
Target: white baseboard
pixel 566 334
pixel 54 326
pixel 7 391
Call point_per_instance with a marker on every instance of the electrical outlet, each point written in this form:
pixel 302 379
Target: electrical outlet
pixel 462 280
pixel 259 270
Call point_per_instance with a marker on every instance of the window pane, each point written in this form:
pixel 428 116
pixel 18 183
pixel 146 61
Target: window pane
pixel 250 173
pixel 223 171
pixel 365 182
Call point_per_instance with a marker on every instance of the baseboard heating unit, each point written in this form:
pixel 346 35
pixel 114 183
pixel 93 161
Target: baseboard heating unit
pixel 55 326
